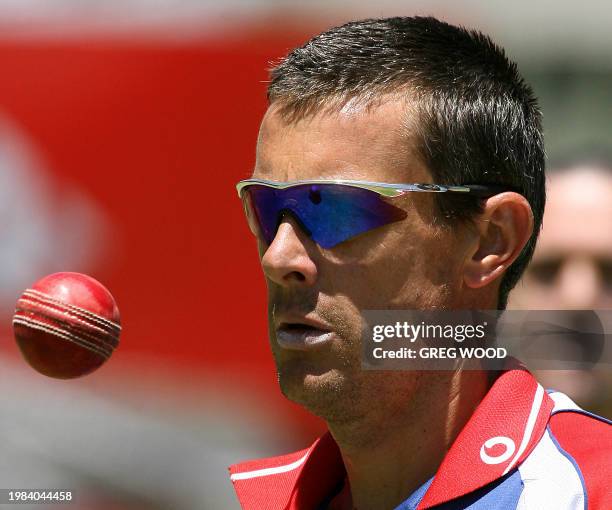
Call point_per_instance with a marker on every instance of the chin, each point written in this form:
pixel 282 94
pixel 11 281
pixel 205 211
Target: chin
pixel 325 393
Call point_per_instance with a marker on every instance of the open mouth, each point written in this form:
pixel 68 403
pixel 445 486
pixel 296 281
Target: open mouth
pixel 299 336
pixel 297 326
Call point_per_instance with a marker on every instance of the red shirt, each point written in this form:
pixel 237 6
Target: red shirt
pixel 532 447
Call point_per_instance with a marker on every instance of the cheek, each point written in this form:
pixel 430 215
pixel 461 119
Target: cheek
pixel 406 267
pixel 389 272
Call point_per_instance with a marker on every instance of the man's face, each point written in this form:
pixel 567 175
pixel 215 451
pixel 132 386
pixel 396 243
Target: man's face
pixel 316 295
pixel 572 264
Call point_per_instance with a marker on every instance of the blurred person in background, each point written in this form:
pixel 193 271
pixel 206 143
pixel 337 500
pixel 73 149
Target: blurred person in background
pixel 572 264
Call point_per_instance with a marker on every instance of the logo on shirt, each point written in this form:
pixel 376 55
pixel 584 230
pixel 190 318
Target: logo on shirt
pixel 494 443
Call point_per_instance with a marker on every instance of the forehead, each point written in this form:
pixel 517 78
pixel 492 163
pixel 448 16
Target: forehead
pixel 375 143
pixel 578 216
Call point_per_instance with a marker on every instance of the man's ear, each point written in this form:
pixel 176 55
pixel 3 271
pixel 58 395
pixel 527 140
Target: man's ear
pixel 503 228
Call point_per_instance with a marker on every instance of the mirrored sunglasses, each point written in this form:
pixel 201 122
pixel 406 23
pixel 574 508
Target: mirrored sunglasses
pixel 333 211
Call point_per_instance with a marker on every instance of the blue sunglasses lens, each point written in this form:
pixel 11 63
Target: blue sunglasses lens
pixel 328 213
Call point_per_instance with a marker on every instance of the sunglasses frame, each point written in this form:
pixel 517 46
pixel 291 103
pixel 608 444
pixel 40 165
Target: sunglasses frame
pixel 382 188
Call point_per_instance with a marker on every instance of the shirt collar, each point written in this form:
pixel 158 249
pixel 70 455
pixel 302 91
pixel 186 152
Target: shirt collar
pixel 501 433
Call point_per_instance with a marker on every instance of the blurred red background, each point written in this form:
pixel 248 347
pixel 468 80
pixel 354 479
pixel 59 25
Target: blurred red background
pixel 158 134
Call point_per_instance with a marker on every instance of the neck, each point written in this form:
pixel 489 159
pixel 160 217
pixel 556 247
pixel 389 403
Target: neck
pixel 389 452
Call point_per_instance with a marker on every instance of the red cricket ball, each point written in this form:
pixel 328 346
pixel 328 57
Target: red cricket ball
pixel 66 325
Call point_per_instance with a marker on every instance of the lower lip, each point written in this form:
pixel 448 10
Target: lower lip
pixel 302 339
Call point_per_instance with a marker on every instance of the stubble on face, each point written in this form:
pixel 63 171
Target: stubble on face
pixel 321 380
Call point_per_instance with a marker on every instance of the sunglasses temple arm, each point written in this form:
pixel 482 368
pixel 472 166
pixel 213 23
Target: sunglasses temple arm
pixel 485 190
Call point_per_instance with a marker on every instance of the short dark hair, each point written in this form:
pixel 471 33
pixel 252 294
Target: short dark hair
pixel 478 121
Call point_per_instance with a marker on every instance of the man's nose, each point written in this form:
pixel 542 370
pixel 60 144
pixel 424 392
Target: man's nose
pixel 580 283
pixel 286 260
